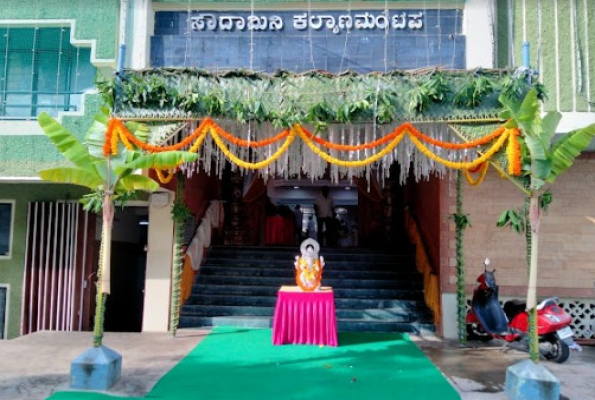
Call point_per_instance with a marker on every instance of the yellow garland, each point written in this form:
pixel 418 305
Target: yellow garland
pixel 114 142
pixel 165 179
pixel 199 140
pixel 248 165
pixel 462 165
pixel 484 170
pixel 359 163
pixel 123 138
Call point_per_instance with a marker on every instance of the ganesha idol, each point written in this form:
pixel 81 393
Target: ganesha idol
pixel 308 266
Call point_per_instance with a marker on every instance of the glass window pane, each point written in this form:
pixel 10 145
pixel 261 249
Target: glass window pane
pixel 3 295
pixel 5 228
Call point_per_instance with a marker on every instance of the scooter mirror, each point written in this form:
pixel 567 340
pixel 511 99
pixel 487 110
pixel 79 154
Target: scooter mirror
pixel 487 262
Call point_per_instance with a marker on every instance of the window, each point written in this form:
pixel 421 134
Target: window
pixel 6 224
pixel 3 310
pixel 41 71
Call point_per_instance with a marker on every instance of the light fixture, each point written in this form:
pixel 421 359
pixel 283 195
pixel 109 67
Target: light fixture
pixel 296 187
pixel 347 187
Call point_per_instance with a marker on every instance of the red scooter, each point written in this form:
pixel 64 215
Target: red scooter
pixel 487 320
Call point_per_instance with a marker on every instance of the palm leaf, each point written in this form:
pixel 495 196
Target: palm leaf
pixel 163 160
pixel 65 142
pixel 568 148
pixel 76 176
pixel 138 182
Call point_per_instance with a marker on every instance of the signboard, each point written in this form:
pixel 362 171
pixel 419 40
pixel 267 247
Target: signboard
pixel 335 41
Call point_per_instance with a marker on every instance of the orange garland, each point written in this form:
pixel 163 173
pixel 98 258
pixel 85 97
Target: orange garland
pixel 513 152
pixel 244 143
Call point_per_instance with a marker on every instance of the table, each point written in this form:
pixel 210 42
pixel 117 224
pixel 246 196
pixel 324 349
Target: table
pixel 305 317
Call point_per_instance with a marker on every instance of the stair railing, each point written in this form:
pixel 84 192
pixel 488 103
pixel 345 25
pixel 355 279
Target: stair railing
pixel 199 245
pixel 425 267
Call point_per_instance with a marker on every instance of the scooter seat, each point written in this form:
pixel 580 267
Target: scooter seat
pixel 490 315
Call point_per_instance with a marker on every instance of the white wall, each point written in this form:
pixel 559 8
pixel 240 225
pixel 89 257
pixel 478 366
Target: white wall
pixel 158 273
pixel 478 27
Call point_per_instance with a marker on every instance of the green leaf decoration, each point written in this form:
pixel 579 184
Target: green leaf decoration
pixel 568 148
pixel 286 98
pixel 66 143
pixel 75 176
pixel 545 200
pixel 512 218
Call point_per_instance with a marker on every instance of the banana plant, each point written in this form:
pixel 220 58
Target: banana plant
pixel 462 222
pixel 110 179
pixel 542 161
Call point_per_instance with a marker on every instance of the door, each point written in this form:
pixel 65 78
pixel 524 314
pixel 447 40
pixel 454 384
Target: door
pixel 58 267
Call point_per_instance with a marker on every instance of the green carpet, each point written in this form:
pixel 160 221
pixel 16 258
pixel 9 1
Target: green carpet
pixel 236 363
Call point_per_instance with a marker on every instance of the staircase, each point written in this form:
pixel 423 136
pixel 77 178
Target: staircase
pixel 374 291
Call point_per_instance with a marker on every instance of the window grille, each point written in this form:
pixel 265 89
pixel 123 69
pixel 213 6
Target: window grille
pixel 41 71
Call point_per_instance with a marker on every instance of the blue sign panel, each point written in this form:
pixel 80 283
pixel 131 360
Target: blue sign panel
pixel 335 41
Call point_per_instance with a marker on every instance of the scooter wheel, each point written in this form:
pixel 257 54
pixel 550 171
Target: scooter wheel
pixel 476 332
pixel 557 350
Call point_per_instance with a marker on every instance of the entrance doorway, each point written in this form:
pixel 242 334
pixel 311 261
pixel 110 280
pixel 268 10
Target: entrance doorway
pixel 295 198
pixel 124 306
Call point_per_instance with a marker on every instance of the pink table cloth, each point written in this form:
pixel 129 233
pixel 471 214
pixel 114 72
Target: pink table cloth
pixel 305 317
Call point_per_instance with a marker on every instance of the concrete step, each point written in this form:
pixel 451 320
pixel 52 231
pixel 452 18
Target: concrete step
pixel 289 280
pixel 378 292
pixel 352 292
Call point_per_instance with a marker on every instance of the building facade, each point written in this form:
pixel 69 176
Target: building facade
pixel 52 52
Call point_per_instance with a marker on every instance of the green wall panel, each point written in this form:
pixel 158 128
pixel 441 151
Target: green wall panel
pixel 502 35
pixel 565 55
pixel 548 54
pixel 11 271
pixel 92 22
pixel 256 2
pixel 591 48
pixel 24 156
pixel 581 96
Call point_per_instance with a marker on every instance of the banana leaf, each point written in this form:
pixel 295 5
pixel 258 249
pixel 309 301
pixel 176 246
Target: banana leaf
pixel 66 143
pixel 568 148
pixel 88 178
pixel 138 182
pixel 163 160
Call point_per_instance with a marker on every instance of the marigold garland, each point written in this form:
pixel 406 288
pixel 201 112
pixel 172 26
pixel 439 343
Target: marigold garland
pixel 249 165
pixel 244 143
pixel 117 130
pixel 484 170
pixel 165 179
pixel 459 146
pixel 461 165
pixel 341 163
pixel 513 152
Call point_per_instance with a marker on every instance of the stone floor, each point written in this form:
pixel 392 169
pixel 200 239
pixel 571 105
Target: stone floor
pixel 34 366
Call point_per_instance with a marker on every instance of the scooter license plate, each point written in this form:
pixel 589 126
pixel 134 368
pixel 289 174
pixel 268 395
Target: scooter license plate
pixel 565 332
